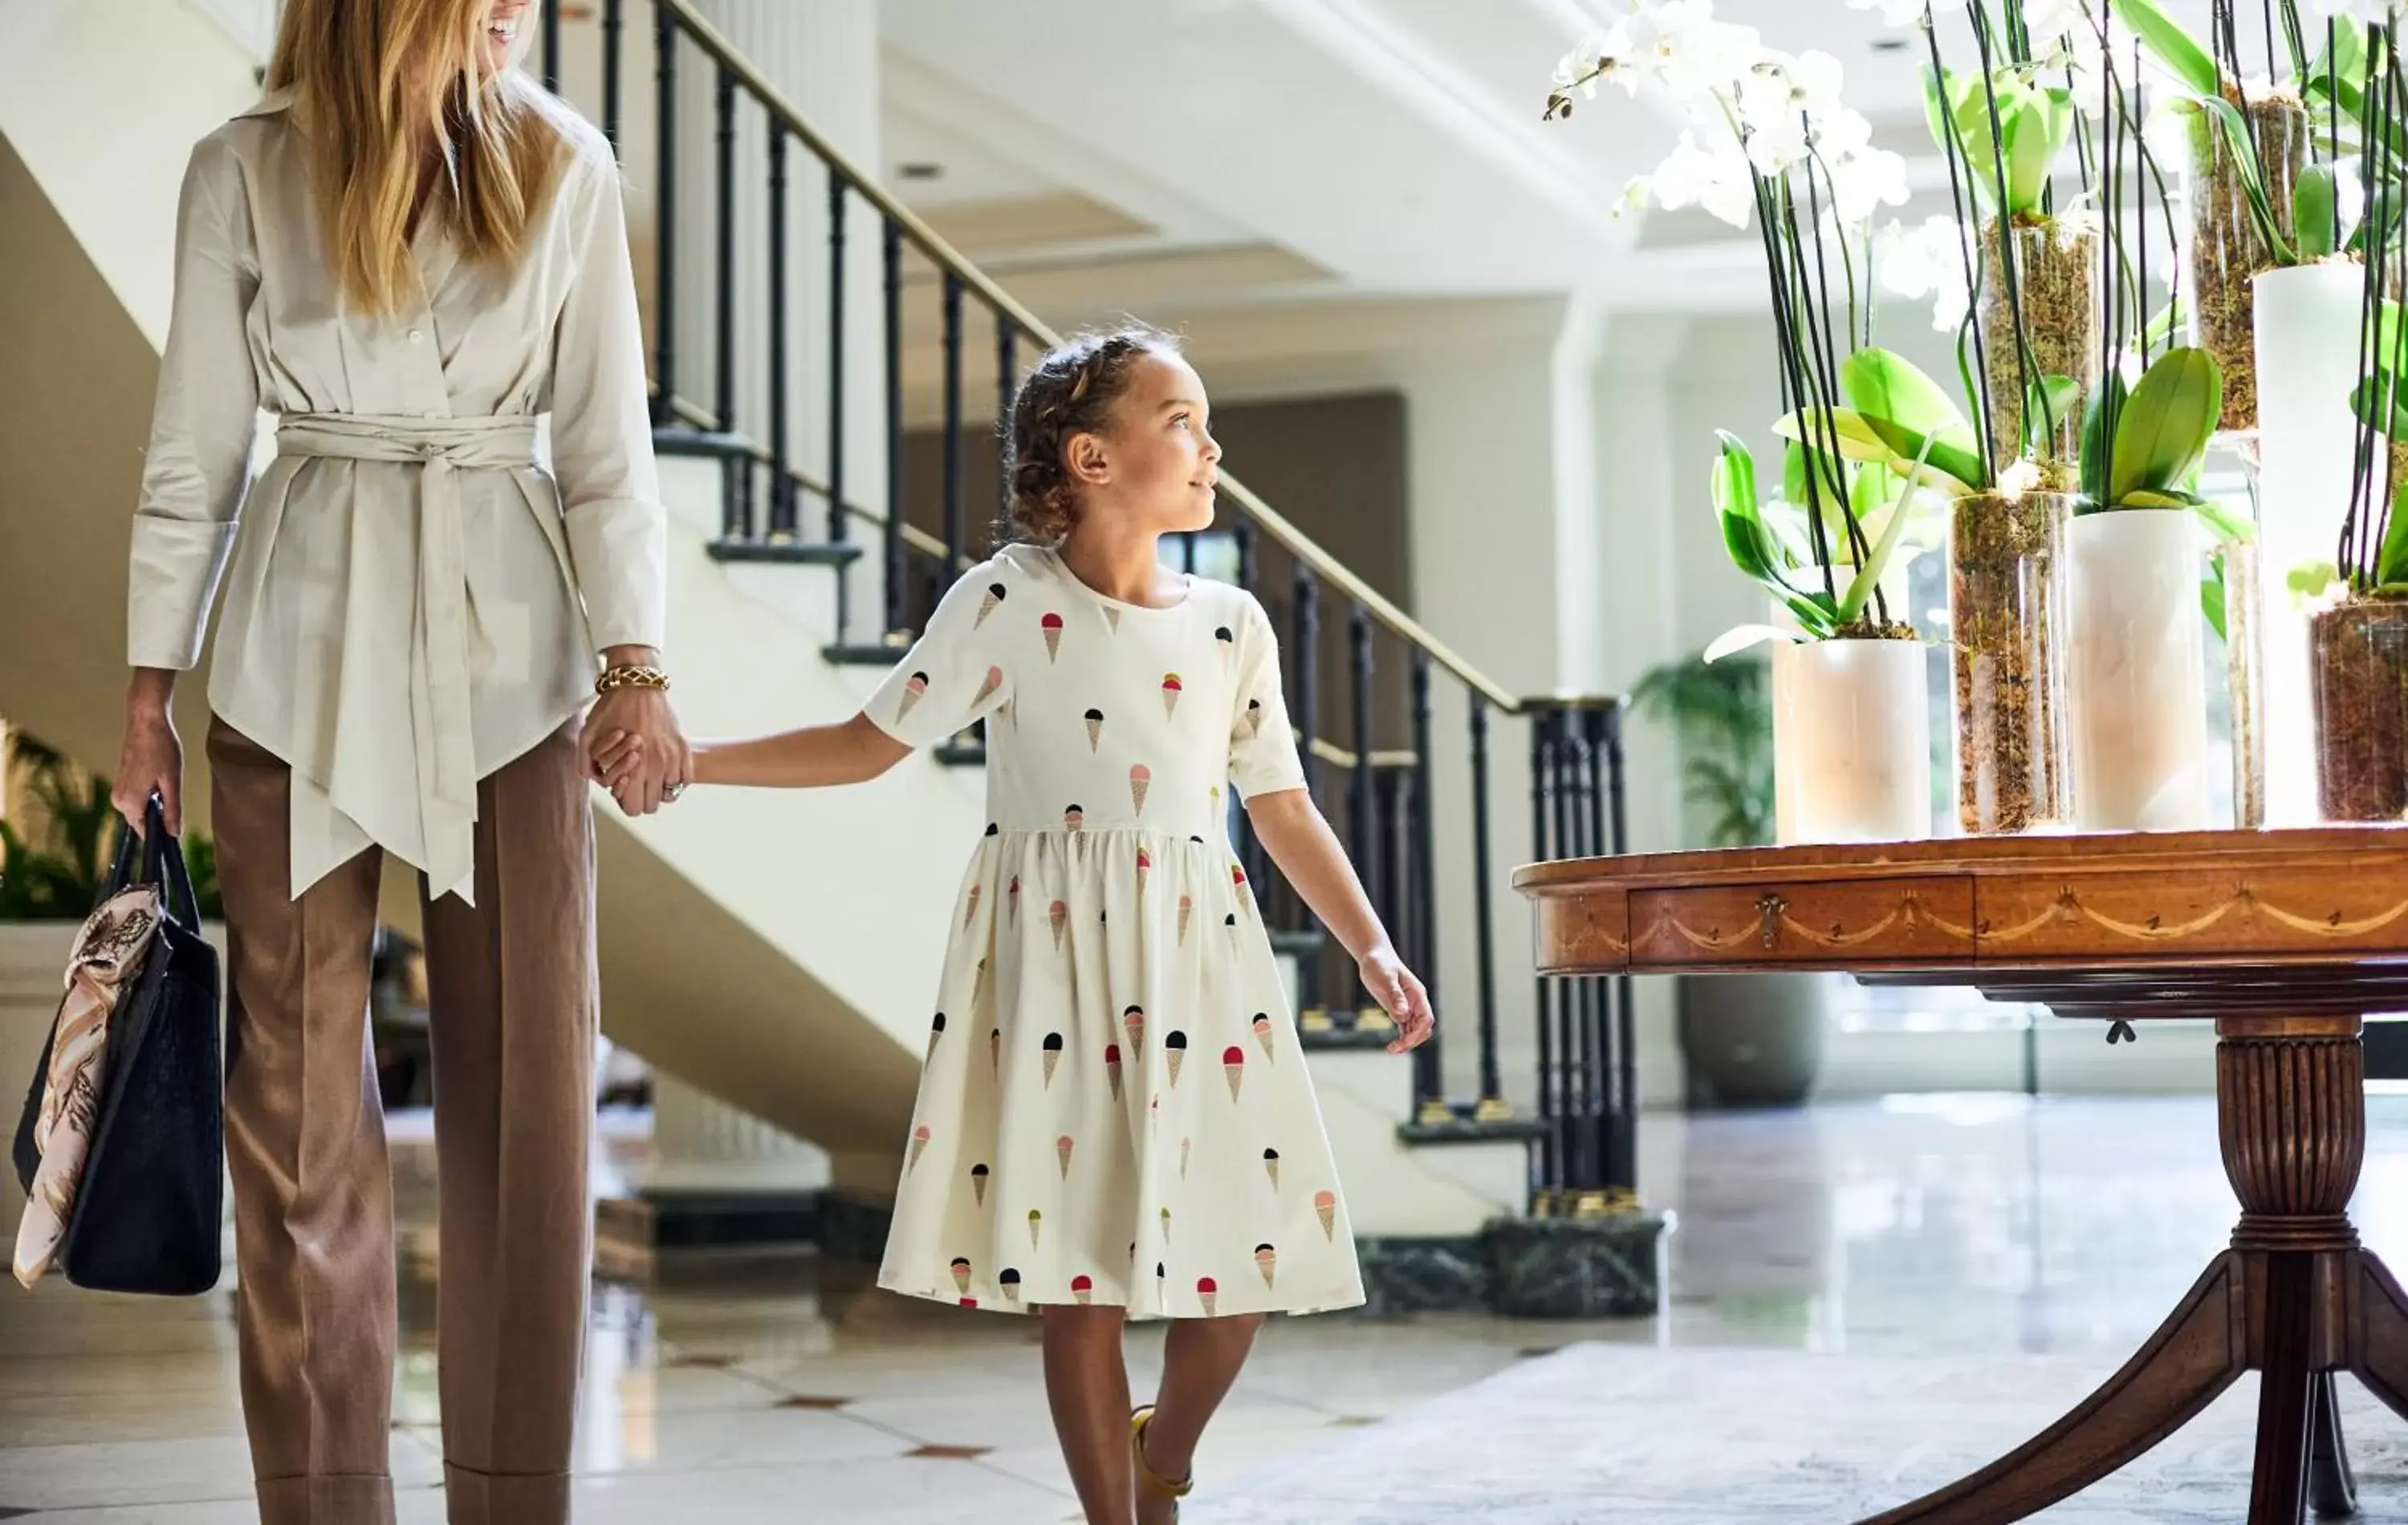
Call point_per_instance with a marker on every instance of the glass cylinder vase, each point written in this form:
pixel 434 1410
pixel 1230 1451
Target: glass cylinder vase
pixel 2137 661
pixel 1851 741
pixel 2244 654
pixel 2226 252
pixel 2358 655
pixel 2053 261
pixel 2007 604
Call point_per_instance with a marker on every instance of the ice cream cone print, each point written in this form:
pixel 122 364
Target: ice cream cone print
pixel 987 689
pixel 970 914
pixel 1074 819
pixel 1154 1109
pixel 1053 1055
pixel 913 687
pixel 1170 691
pixel 1011 901
pixel 1227 640
pixel 961 1275
pixel 1233 1066
pixel 1216 800
pixel 995 1050
pixel 1061 1147
pixel 1207 1293
pixel 1095 730
pixel 1229 925
pixel 1185 1146
pixel 1112 618
pixel 1267 1260
pixel 978 1183
pixel 1144 866
pixel 967 1302
pixel 1052 625
pixel 1133 1022
pixel 920 1136
pixel 987 602
pixel 1161 1282
pixel 1165 1225
pixel 1174 1054
pixel 1254 717
pixel 1237 883
pixel 1036 1226
pixel 1140 780
pixel 1271 1167
pixel 1112 1067
pixel 935 1031
pixel 1187 910
pixel 1059 913
pixel 1008 1279
pixel 1263 1033
pixel 1083 1289
pixel 1325 1204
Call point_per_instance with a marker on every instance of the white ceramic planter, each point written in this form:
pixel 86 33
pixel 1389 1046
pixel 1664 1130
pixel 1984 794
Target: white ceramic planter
pixel 2138 667
pixel 2307 362
pixel 1851 741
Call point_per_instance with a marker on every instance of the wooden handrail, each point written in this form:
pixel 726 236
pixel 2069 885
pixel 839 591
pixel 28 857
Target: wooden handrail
pixel 932 245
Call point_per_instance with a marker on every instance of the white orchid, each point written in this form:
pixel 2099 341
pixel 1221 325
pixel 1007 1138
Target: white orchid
pixel 1694 176
pixel 2365 12
pixel 2047 20
pixel 1905 12
pixel 1926 261
pixel 1863 183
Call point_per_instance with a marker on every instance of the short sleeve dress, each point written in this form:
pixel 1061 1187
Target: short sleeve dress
pixel 1115 1108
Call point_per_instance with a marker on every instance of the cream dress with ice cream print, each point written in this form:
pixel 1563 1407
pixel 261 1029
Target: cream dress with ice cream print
pixel 1115 1108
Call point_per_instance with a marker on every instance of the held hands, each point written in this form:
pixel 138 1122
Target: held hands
pixel 1399 993
pixel 635 748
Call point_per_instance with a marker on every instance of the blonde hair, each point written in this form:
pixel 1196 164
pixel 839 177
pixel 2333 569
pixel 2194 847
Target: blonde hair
pixel 375 84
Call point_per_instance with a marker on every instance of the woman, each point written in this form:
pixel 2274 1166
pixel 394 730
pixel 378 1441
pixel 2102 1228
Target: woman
pixel 406 251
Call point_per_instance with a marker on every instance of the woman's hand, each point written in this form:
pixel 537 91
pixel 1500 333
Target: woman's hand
pixel 636 748
pixel 1399 993
pixel 151 756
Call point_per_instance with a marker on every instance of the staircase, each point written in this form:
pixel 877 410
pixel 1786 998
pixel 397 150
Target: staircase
pixel 732 958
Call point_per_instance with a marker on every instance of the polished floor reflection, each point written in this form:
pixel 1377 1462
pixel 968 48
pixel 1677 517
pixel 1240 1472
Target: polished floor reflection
pixel 779 1389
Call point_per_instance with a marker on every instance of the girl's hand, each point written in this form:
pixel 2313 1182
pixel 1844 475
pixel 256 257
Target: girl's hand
pixel 1399 993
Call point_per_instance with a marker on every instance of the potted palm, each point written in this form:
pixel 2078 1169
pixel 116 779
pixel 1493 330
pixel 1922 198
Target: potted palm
pixel 1747 1040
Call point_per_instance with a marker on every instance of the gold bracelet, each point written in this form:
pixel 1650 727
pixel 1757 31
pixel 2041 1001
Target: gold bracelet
pixel 630 676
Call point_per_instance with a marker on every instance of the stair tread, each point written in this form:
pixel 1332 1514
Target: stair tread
pixel 1462 1130
pixel 1309 940
pixel 800 553
pixel 678 439
pixel 1345 1040
pixel 878 654
pixel 962 754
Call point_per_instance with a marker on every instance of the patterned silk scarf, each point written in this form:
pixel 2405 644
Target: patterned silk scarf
pixel 108 953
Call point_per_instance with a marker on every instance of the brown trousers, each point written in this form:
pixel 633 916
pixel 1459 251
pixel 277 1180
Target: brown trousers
pixel 513 1009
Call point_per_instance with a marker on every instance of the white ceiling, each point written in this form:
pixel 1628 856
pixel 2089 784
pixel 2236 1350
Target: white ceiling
pixel 1392 147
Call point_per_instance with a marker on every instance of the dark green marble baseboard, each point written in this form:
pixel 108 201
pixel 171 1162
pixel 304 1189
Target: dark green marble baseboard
pixel 1609 1266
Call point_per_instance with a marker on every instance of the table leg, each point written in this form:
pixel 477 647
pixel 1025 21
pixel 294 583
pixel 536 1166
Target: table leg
pixel 2333 1488
pixel 2194 1356
pixel 2278 1490
pixel 2378 1333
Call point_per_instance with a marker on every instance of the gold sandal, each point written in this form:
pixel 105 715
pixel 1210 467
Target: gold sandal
pixel 1148 1480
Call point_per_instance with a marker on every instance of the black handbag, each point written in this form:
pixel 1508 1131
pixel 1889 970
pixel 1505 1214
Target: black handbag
pixel 149 1215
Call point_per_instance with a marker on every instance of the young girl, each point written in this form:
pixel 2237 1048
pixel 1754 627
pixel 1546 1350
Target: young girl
pixel 1115 1119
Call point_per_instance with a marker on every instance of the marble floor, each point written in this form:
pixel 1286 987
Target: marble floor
pixel 1979 1230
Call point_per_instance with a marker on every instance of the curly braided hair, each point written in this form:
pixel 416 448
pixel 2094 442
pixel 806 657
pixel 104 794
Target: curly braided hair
pixel 1070 390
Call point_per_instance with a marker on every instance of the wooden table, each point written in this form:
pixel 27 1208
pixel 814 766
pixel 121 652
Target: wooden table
pixel 2286 938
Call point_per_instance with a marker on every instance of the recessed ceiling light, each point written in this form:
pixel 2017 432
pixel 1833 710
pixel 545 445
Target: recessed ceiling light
pixel 920 169
pixel 1890 45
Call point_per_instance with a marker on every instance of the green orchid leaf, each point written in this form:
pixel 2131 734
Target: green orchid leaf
pixel 2391 561
pixel 2368 398
pixel 2182 56
pixel 2222 521
pixel 2107 401
pixel 2212 597
pixel 1734 475
pixel 1740 638
pixel 2311 578
pixel 2032 133
pixel 1905 408
pixel 1860 590
pixel 2051 401
pixel 2170 317
pixel 2163 430
pixel 2316 211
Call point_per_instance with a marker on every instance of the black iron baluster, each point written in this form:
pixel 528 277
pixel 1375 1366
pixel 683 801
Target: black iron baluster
pixel 1304 656
pixel 952 425
pixel 782 514
pixel 897 573
pixel 1429 1071
pixel 736 479
pixel 1362 802
pixel 1248 569
pixel 839 529
pixel 1007 384
pixel 1543 724
pixel 613 21
pixel 1576 1033
pixel 1492 1106
pixel 551 45
pixel 664 216
pixel 1187 552
pixel 1623 1168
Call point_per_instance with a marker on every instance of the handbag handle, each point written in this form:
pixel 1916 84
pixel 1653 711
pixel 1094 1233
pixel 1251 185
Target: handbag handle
pixel 161 861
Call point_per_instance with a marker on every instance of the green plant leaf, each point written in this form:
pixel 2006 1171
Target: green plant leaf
pixel 2391 561
pixel 2182 56
pixel 1859 440
pixel 2098 422
pixel 2366 400
pixel 2221 520
pixel 2212 597
pixel 2315 203
pixel 1740 638
pixel 1860 590
pixel 2051 401
pixel 2030 132
pixel 1952 109
pixel 1907 407
pixel 2310 579
pixel 2163 430
pixel 2170 317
